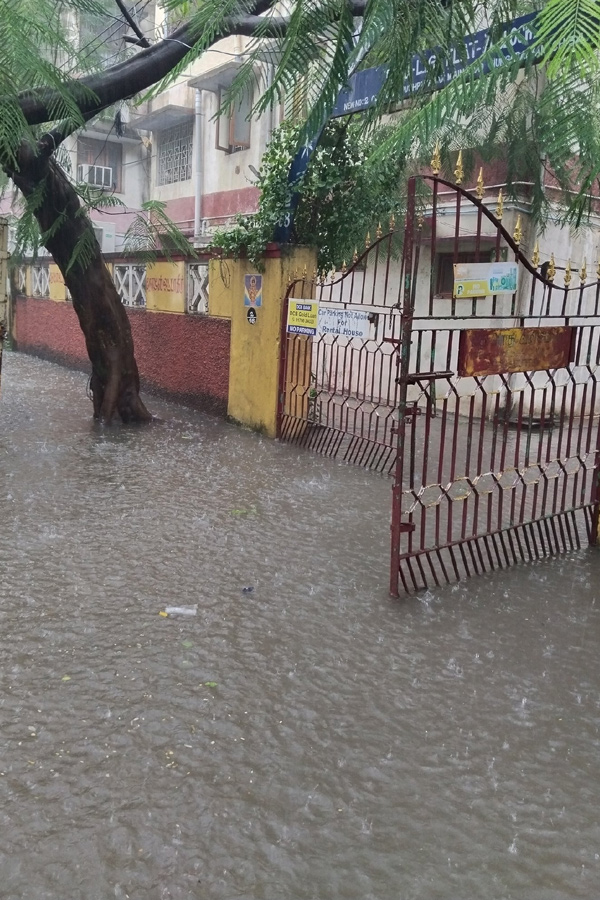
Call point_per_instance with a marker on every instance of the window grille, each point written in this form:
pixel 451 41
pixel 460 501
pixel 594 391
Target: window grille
pixel 197 289
pixel 130 282
pixel 175 153
pixel 40 281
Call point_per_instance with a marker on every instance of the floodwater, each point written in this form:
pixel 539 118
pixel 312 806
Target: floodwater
pixel 307 740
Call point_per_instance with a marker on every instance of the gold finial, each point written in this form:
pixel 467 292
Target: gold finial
pixel 344 268
pixel 567 277
pixel 368 240
pixel 598 270
pixel 480 187
pixel 304 273
pixel 535 259
pixel 322 276
pixel 355 256
pixel 518 232
pixel 551 269
pixel 500 205
pixel 420 222
pixel 289 281
pixel 314 276
pixel 379 231
pixel 436 160
pixel 392 222
pixel 459 172
pixel 583 271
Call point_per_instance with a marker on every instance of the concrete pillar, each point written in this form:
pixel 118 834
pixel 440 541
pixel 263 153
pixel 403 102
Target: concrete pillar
pixel 256 329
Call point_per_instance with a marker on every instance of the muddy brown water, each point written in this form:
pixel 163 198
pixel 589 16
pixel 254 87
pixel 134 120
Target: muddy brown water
pixel 308 740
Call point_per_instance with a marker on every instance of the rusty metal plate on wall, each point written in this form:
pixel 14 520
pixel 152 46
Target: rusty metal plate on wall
pixel 493 351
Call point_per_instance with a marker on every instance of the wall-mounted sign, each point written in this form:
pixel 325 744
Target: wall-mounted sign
pixel 251 316
pixel 483 279
pixel 252 290
pixel 303 316
pixel 488 351
pixel 343 322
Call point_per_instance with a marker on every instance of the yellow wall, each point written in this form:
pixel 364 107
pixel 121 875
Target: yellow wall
pixel 221 273
pixel 165 287
pixel 256 349
pixel 58 290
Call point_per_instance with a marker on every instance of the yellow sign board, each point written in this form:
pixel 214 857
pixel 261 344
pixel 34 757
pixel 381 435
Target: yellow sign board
pixel 165 287
pixel 483 279
pixel 303 316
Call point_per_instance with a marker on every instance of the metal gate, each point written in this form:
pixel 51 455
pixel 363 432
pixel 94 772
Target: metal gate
pixel 497 441
pixel 339 392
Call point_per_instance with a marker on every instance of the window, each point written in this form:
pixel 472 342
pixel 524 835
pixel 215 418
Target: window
pixel 100 163
pixel 233 127
pixel 175 153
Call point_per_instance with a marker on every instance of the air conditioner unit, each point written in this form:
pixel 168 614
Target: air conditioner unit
pixel 106 238
pixel 99 176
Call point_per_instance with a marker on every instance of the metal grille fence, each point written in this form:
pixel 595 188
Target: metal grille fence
pixel 197 288
pixel 40 281
pixel 493 466
pixel 338 392
pixel 130 282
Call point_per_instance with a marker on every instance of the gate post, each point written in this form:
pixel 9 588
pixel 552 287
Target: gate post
pixel 3 283
pixel 256 328
pixel 403 349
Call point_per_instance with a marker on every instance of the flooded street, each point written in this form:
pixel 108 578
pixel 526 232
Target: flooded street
pixel 309 739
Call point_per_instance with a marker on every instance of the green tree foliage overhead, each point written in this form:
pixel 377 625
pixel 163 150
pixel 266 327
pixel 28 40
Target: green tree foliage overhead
pixel 545 108
pixel 341 197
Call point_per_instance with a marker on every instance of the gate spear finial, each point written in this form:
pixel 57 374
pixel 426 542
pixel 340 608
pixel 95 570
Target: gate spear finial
pixel 480 186
pixel 500 205
pixel 583 271
pixel 535 259
pixel 436 162
pixel 551 269
pixel 567 277
pixel 518 232
pixel 459 172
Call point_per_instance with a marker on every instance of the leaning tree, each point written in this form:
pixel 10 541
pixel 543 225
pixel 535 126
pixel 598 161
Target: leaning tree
pixel 553 109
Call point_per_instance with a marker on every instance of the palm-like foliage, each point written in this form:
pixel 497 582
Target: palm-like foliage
pixel 552 116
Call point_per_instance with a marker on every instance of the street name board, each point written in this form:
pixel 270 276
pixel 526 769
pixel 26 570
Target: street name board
pixel 483 279
pixel 302 317
pixel 364 86
pixel 496 351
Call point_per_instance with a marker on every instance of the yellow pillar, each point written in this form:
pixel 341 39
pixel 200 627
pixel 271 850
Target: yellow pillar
pixel 58 289
pixel 255 348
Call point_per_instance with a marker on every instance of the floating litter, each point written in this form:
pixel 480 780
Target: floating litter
pixel 180 610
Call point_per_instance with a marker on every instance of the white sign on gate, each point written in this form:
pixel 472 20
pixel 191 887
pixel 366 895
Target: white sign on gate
pixel 343 322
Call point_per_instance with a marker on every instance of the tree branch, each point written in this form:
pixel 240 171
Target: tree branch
pixel 149 66
pixel 143 41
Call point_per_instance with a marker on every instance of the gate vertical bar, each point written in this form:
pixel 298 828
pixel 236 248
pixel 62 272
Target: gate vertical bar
pixel 403 349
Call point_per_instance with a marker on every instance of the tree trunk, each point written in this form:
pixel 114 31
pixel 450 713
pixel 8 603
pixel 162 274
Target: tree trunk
pixel 115 380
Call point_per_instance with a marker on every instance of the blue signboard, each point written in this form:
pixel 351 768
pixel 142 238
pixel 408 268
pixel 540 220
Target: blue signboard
pixel 364 86
pixel 361 92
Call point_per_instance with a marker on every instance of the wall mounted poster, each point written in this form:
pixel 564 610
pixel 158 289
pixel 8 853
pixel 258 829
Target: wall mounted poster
pixel 483 279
